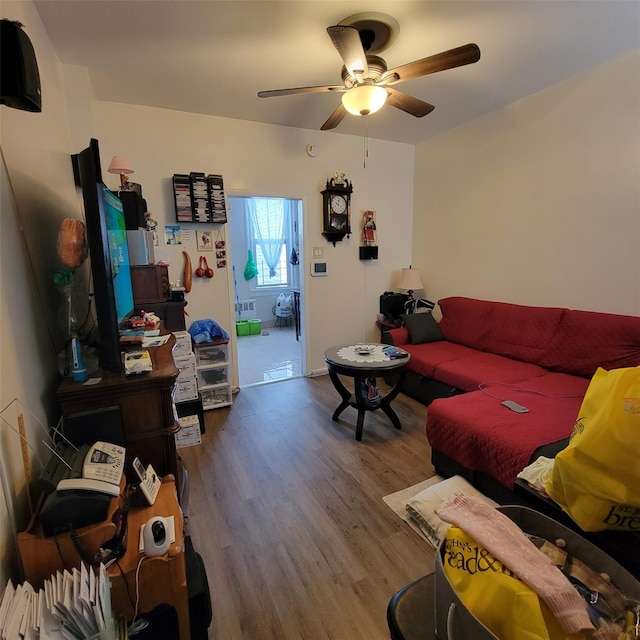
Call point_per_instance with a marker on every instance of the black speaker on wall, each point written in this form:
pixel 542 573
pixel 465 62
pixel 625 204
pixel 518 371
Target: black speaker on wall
pixel 19 77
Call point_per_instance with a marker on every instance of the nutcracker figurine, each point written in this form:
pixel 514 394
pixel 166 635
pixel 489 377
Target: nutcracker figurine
pixel 368 228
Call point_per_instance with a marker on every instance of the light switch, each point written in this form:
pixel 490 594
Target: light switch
pixel 318 253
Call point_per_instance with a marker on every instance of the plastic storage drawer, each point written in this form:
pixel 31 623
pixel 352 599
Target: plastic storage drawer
pixel 212 354
pixel 213 398
pixel 211 376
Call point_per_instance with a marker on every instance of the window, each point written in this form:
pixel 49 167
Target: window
pixel 268 224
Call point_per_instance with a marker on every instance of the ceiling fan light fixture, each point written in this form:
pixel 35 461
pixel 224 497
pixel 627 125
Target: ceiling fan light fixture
pixel 364 99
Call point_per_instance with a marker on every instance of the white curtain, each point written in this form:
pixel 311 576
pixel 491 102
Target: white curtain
pixel 268 217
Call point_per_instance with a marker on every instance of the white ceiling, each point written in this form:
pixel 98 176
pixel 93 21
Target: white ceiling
pixel 212 57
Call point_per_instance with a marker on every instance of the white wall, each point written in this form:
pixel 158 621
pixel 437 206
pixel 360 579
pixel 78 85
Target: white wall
pixel 37 192
pixel 258 159
pixel 538 203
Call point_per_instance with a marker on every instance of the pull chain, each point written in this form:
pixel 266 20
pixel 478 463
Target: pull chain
pixel 365 141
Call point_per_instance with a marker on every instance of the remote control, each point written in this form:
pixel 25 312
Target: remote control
pixel 514 406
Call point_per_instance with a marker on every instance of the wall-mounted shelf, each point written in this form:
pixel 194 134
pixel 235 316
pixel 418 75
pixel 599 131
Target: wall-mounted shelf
pixel 199 198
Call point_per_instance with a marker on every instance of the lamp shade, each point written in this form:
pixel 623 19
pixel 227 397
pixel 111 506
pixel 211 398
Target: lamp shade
pixel 410 280
pixel 364 99
pixel 119 165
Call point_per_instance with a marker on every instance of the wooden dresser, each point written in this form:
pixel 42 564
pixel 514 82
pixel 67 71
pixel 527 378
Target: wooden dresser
pixel 146 405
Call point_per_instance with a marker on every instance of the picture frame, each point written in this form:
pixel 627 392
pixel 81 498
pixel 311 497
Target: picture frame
pixel 204 240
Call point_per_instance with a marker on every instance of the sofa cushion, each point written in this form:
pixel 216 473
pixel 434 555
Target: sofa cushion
pixel 477 367
pixel 422 327
pixel 427 356
pixel 399 337
pixel 553 385
pixel 586 340
pixel 516 331
pixel 477 431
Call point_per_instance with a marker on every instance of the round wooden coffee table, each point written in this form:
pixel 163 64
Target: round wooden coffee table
pixel 364 368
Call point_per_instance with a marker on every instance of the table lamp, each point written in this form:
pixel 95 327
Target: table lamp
pixel 119 165
pixel 410 281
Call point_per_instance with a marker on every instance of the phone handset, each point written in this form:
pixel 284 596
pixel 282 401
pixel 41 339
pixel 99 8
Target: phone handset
pixel 149 481
pixel 88 484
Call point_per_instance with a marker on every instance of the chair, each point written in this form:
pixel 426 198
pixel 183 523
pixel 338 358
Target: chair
pixel 283 310
pixel 411 611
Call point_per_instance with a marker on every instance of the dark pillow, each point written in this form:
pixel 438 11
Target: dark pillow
pixel 422 327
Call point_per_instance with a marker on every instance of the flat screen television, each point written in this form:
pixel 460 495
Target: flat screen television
pixel 109 252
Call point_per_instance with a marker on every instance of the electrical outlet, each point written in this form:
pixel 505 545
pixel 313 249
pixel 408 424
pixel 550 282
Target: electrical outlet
pixel 318 253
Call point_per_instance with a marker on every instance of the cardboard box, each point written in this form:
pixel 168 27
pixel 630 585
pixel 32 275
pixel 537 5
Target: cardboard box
pixel 189 434
pixel 186 390
pixel 187 377
pixel 183 343
pixel 185 364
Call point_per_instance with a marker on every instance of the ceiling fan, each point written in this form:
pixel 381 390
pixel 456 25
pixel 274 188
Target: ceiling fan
pixel 367 83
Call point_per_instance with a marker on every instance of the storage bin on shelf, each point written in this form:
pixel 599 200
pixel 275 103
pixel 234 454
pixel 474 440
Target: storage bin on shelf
pixel 208 354
pixel 213 374
pixel 216 397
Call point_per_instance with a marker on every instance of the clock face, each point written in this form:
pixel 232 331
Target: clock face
pixel 338 204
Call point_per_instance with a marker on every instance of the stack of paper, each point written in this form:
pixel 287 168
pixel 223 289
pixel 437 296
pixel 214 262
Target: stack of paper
pixel 72 605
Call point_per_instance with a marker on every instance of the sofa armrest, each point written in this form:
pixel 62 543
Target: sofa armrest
pixel 397 337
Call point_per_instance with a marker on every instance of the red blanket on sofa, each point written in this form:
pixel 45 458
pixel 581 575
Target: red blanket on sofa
pixel 541 357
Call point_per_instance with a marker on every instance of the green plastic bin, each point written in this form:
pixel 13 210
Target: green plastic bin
pixel 255 327
pixel 242 327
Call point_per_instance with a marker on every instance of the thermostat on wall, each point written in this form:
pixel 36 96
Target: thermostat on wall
pixel 318 268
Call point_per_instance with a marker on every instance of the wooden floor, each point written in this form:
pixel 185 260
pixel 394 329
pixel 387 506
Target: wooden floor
pixel 286 509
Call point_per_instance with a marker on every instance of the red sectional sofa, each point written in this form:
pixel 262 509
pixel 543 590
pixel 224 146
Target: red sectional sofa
pixel 483 352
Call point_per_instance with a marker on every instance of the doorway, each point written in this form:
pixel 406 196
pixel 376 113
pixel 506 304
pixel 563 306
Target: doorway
pixel 266 245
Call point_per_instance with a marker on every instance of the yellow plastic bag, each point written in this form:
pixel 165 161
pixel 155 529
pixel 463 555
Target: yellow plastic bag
pixel 596 478
pixel 509 608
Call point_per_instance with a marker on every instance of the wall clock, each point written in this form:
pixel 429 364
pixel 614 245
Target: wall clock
pixel 336 209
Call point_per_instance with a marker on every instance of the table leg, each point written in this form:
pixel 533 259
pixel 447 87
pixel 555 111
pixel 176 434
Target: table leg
pixel 385 403
pixel 360 406
pixel 345 394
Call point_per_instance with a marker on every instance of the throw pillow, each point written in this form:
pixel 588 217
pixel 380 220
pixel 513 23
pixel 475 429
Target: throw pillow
pixel 422 327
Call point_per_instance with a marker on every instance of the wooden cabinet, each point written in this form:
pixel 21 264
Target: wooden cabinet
pixel 199 198
pixel 146 404
pixel 150 283
pixel 171 314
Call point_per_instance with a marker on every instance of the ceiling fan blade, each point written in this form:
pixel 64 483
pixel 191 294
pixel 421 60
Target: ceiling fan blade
pixel 289 92
pixel 410 104
pixel 347 41
pixel 335 118
pixel 467 54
